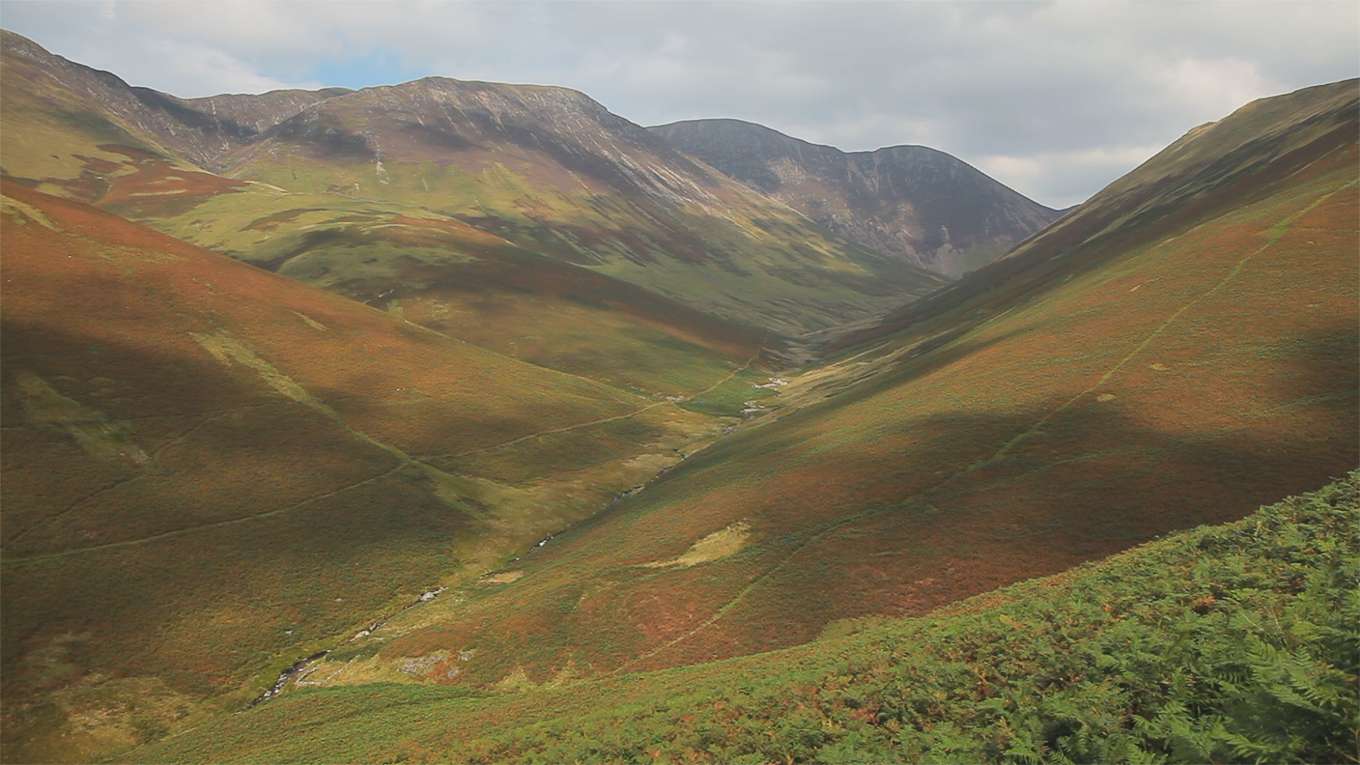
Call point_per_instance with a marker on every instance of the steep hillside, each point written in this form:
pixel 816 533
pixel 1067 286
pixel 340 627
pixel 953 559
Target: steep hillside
pixel 909 201
pixel 1210 171
pixel 209 471
pixel 1163 381
pixel 1225 644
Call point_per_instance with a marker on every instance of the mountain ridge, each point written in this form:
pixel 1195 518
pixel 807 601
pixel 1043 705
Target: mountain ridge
pixel 901 199
pixel 700 121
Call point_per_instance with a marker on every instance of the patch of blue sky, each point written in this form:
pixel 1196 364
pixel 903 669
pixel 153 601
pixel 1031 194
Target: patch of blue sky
pixel 377 68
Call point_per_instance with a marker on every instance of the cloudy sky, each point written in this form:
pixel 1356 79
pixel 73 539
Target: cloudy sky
pixel 1054 98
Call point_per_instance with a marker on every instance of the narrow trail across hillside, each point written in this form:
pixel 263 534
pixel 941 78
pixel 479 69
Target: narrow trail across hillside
pixel 403 461
pixel 1274 234
pixel 203 526
pixel 114 484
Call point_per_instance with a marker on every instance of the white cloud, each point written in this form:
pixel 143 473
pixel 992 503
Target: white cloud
pixel 1220 84
pixel 200 71
pixel 1054 97
pixel 1065 178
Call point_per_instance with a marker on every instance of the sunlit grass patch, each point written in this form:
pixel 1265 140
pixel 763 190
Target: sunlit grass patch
pixel 715 546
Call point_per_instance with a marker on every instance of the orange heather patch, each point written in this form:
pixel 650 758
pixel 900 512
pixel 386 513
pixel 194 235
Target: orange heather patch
pixel 158 188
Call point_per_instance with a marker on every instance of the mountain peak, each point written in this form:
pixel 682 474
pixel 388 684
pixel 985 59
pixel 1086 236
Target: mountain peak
pixel 914 202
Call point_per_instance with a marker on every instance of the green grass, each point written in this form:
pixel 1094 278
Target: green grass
pixel 730 398
pixel 1227 643
pixel 464 283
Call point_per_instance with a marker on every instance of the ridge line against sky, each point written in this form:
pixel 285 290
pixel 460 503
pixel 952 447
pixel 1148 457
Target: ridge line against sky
pixel 1054 99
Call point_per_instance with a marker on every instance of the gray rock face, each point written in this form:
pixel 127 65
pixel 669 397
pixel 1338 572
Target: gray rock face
pixel 933 209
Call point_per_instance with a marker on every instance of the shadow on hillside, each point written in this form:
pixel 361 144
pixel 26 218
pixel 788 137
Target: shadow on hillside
pixel 1089 237
pixel 871 528
pixel 263 523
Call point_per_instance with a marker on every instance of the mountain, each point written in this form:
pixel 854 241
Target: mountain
pixel 545 169
pixel 58 112
pixel 553 172
pixel 1191 361
pixel 49 94
pixel 912 202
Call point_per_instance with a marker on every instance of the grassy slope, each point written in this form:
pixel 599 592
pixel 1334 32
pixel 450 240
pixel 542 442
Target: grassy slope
pixel 1181 380
pixel 1227 643
pixel 202 461
pixel 752 265
pixel 48 134
pixel 445 274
